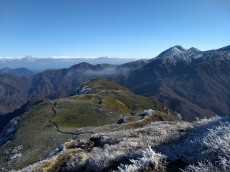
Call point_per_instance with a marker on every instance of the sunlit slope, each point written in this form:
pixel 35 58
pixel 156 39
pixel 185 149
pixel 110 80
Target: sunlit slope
pixel 103 104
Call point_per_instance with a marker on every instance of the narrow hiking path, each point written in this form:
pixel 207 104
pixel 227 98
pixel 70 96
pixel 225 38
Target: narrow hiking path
pixel 65 132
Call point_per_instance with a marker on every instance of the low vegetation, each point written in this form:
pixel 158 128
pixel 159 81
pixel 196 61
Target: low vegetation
pixel 160 146
pixel 112 130
pixel 51 123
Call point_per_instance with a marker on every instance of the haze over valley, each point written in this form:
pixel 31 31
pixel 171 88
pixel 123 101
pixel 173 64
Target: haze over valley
pixel 118 86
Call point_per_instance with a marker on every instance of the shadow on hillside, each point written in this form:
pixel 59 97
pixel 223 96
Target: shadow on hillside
pixel 5 119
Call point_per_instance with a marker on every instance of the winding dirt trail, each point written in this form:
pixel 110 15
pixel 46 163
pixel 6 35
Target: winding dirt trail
pixel 65 132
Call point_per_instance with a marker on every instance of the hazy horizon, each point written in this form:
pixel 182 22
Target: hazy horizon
pixel 40 64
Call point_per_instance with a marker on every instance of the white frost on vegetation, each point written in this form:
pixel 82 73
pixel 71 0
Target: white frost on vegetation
pixel 179 116
pixel 115 146
pixel 206 148
pixel 85 89
pixel 148 113
pixel 148 158
pixel 15 156
pixel 130 143
pixel 203 145
pixel 8 130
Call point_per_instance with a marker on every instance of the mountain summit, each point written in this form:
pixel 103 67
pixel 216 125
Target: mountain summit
pixel 177 50
pixel 173 51
pixel 193 50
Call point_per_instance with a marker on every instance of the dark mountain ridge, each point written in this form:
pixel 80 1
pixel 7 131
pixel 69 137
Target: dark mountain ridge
pixel 21 72
pixel 193 83
pixel 196 81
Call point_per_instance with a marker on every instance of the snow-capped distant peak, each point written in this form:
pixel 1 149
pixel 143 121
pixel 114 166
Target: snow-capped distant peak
pixel 173 51
pixel 180 48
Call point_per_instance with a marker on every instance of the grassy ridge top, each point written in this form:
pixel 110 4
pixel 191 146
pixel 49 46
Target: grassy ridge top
pixel 105 84
pixel 97 85
pixel 51 123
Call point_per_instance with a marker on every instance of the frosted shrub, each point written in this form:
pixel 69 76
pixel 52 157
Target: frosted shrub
pixel 198 122
pixel 204 141
pixel 115 145
pixel 208 144
pixel 179 116
pixel 100 159
pixel 149 157
pixel 148 113
pixel 75 164
pixel 220 166
pixel 201 167
pixel 104 140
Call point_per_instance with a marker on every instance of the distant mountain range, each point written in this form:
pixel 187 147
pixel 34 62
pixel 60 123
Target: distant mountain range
pixel 193 83
pixel 21 72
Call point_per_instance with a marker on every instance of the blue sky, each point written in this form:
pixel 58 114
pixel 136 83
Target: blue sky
pixel 113 28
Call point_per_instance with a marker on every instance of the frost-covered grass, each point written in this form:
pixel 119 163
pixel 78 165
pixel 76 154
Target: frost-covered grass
pixel 148 158
pixel 206 148
pixel 115 148
pixel 202 140
pixel 203 146
pixel 8 130
pixel 214 153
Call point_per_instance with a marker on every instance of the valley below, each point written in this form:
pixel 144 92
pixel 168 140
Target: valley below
pixel 169 113
pixel 192 82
